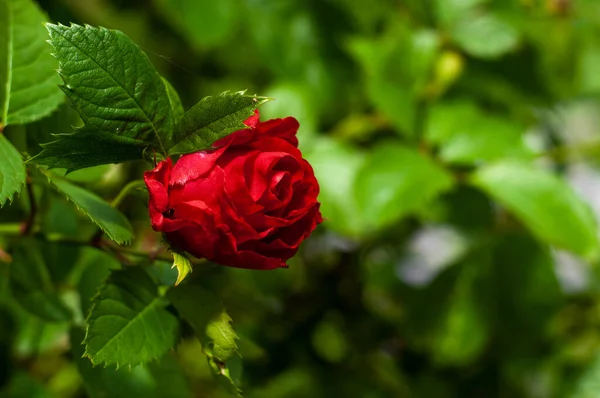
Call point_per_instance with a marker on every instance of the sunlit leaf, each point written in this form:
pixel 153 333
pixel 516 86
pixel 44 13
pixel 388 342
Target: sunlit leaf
pixel 336 166
pixel 485 35
pixel 395 181
pixel 543 202
pixel 183 265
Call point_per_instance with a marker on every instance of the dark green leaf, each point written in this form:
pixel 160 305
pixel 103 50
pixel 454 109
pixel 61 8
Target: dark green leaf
pixel 96 266
pixel 211 119
pixel 128 324
pixel 176 106
pixel 87 148
pixel 527 291
pixel 27 71
pixel 12 171
pixel 109 219
pixel 32 284
pixel 204 311
pixel 543 202
pixel 464 329
pixel 112 84
pixel 162 378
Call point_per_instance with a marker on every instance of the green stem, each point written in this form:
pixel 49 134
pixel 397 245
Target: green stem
pixel 11 228
pixel 127 189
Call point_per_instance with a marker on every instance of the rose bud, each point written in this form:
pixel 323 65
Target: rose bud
pixel 248 203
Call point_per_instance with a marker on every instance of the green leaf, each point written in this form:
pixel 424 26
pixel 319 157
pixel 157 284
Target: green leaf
pixel 543 202
pixel 27 71
pixel 109 219
pixel 587 384
pixel 464 329
pixel 128 323
pixel 32 285
pixel 96 266
pixel 204 311
pixel 212 119
pixel 203 23
pixel 336 166
pixel 527 293
pixel 162 378
pixel 449 11
pixel 395 181
pixel 485 35
pixel 87 148
pixel 174 101
pixel 397 68
pixel 12 171
pixel 466 135
pixel 112 84
pixel 183 265
pixel 329 341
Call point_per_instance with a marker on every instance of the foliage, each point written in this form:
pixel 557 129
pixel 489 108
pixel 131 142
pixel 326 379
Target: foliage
pixel 455 145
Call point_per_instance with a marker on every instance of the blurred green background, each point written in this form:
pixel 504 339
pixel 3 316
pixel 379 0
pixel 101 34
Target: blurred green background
pixel 456 143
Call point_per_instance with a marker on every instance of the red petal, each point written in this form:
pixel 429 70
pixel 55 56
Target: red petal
pixel 283 128
pixel 194 165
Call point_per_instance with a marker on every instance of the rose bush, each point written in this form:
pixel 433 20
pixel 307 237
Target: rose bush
pixel 247 203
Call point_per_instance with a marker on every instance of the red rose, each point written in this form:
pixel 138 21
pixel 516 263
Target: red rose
pixel 249 203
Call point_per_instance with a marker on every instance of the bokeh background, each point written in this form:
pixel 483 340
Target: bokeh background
pixel 422 282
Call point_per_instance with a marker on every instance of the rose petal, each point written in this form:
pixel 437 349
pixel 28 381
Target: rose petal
pixel 194 165
pixel 284 128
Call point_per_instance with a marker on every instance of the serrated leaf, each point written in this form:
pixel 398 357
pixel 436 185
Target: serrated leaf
pixel 204 311
pixel 112 84
pixel 32 286
pixel 109 219
pixel 543 202
pixel 212 119
pixel 128 324
pixel 12 171
pixel 395 181
pixel 27 71
pixel 87 148
pixel 162 378
pixel 183 265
